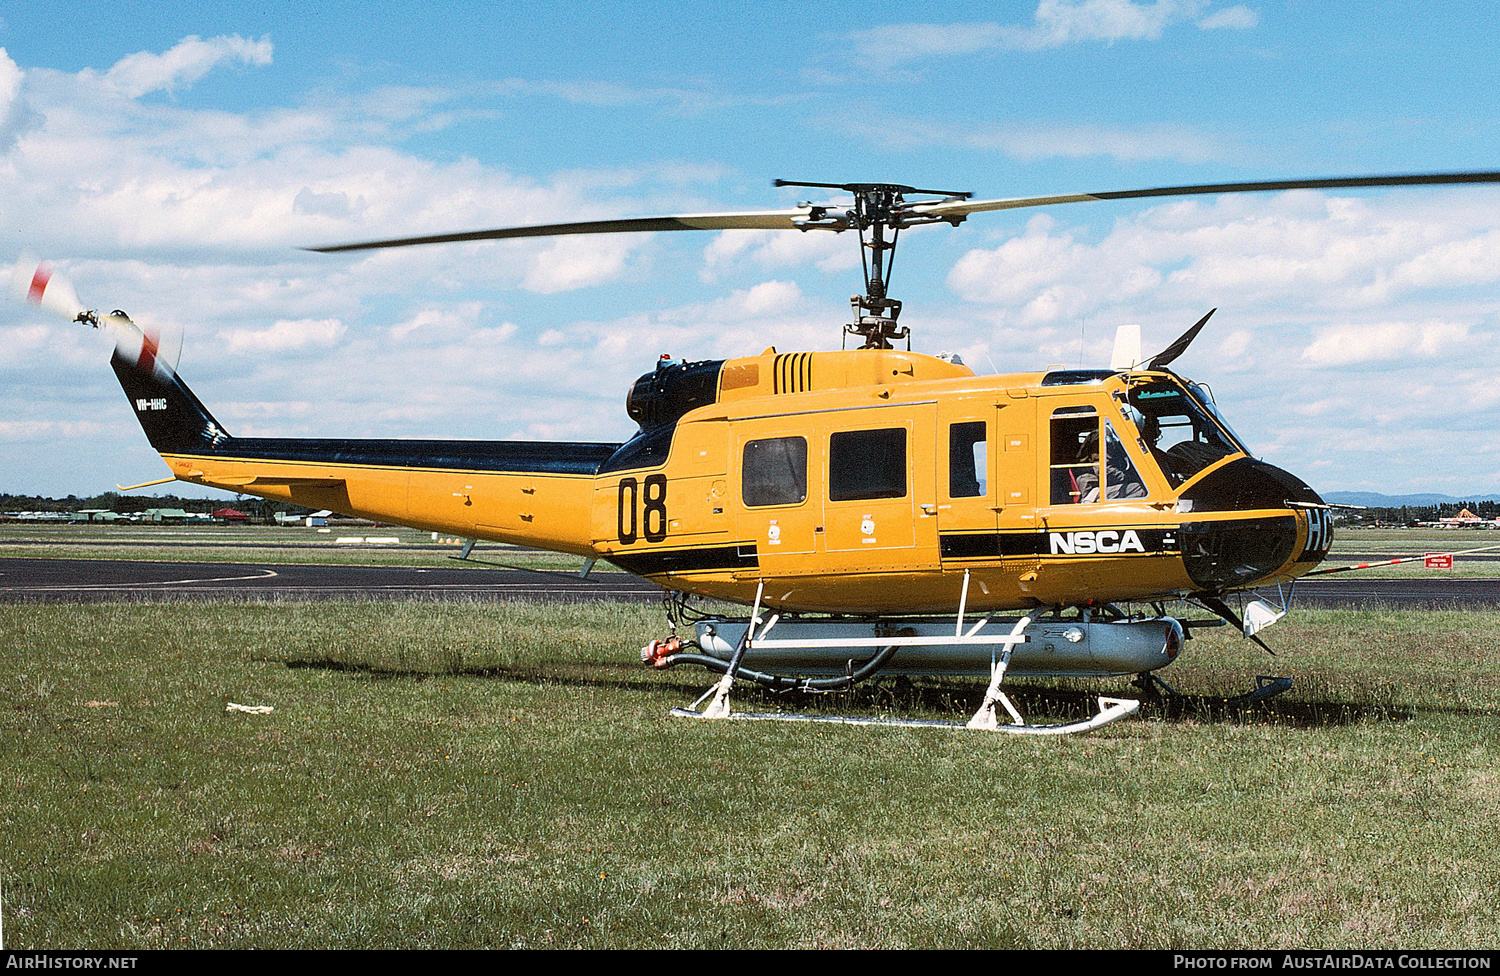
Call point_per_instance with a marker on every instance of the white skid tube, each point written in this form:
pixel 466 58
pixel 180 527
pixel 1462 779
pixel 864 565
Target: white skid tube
pixel 1110 710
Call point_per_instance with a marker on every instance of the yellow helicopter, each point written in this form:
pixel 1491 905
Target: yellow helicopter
pixel 880 510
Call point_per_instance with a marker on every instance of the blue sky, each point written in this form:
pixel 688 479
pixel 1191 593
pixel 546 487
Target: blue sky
pixel 171 162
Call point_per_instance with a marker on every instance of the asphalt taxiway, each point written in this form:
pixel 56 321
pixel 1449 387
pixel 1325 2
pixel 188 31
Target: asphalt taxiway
pixel 99 580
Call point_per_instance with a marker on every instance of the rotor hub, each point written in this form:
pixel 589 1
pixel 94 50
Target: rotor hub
pixel 879 208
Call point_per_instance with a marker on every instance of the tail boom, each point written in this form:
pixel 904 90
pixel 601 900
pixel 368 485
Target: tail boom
pixel 521 492
pixel 512 498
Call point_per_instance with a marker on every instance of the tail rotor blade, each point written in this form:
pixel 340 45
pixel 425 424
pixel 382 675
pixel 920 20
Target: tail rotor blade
pixel 167 342
pixel 38 284
pixel 150 349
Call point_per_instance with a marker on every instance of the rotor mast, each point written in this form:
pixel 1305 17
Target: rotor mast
pixel 878 208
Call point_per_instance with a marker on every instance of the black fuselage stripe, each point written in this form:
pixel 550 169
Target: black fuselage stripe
pixel 1029 542
pixel 658 562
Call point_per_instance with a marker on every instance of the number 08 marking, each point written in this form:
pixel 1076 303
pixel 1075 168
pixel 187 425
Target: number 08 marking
pixel 651 519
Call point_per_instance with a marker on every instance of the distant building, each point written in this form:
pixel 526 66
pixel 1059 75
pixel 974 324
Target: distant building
pixel 1465 519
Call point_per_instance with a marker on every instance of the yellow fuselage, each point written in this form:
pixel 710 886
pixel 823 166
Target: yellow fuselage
pixel 858 482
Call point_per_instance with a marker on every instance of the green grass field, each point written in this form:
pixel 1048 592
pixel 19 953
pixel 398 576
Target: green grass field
pixel 465 775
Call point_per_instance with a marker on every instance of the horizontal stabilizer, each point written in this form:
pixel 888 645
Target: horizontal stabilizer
pixel 266 481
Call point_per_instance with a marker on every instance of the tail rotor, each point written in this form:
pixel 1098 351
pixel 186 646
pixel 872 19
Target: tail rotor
pixel 150 348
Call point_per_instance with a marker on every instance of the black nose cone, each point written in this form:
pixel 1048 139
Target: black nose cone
pixel 1222 554
pixel 1245 485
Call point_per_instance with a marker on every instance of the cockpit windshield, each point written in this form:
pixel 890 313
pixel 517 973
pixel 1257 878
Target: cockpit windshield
pixel 1205 397
pixel 1181 434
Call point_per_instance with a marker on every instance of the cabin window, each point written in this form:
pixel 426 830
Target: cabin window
pixel 867 464
pixel 774 472
pixel 968 460
pixel 1075 455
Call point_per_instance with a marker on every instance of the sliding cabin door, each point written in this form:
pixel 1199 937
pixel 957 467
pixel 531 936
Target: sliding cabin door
pixel 879 498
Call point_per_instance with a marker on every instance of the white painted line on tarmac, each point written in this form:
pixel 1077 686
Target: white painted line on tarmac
pixel 264 574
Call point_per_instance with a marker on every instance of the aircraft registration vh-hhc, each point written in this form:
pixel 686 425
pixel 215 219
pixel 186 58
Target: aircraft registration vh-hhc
pixel 880 511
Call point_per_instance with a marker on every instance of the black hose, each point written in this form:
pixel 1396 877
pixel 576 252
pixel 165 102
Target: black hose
pixel 778 682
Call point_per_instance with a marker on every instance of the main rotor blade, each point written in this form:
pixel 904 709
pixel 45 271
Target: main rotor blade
pixel 831 218
pixel 750 220
pixel 962 208
pixel 1179 347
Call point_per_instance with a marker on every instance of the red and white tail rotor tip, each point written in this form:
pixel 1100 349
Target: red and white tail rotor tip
pixel 38 284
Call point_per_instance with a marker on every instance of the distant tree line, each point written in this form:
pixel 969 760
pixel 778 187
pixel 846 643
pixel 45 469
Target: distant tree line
pixel 259 509
pixel 1412 514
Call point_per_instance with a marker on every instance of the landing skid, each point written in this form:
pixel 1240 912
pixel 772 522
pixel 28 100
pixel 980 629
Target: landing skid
pixel 1110 710
pixel 1266 688
pixel 717 697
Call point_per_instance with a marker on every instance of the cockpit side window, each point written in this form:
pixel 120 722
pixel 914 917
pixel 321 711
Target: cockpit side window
pixel 1075 455
pixel 1121 479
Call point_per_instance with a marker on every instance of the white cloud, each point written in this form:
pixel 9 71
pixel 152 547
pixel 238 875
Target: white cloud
pixel 1079 141
pixel 1055 23
pixel 19 344
pixel 685 100
pixel 284 336
pixel 910 42
pixel 770 249
pixel 1230 18
pixel 45 431
pixel 437 324
pixel 1346 344
pixel 1061 22
pixel 335 204
pixel 144 72
pixel 576 262
pixel 1326 252
pixel 1051 275
pixel 1031 141
pixel 15 115
pixel 766 298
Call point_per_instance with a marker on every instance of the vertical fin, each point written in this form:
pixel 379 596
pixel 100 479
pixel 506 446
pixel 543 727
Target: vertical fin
pixel 175 421
pixel 145 362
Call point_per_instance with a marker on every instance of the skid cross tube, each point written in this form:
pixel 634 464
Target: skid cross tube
pixel 719 707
